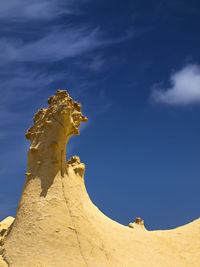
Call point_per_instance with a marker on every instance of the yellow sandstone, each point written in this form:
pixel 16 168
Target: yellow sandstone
pixel 56 223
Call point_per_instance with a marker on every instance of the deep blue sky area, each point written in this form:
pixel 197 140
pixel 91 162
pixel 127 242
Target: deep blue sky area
pixel 135 68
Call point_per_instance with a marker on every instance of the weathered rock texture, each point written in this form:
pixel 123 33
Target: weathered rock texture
pixel 57 225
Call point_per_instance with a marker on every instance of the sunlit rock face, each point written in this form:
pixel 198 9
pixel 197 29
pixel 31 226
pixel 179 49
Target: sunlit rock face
pixel 56 223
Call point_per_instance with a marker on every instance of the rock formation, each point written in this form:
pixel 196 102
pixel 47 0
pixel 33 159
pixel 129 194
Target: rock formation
pixel 56 223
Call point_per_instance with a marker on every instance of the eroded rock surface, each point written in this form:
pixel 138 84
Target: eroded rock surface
pixel 57 225
pixel 4 227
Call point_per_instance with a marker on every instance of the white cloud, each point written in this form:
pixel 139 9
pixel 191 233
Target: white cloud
pixel 184 90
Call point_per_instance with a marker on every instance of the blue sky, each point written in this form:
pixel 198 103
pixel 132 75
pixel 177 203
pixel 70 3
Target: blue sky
pixel 135 67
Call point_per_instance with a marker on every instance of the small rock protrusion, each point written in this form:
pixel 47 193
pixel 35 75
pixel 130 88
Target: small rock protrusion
pixel 138 224
pixel 28 134
pixel 78 167
pixel 33 149
pixel 74 161
pixel 28 174
pixel 139 221
pixel 131 225
pixel 48 122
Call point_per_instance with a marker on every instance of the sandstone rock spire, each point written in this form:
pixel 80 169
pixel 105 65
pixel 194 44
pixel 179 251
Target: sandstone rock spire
pixel 49 136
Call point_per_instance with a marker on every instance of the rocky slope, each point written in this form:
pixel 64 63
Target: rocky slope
pixel 56 223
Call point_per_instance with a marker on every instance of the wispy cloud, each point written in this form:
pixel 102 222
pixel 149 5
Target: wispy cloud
pixel 27 65
pixel 56 45
pixel 31 79
pixel 25 57
pixel 184 90
pixel 21 10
